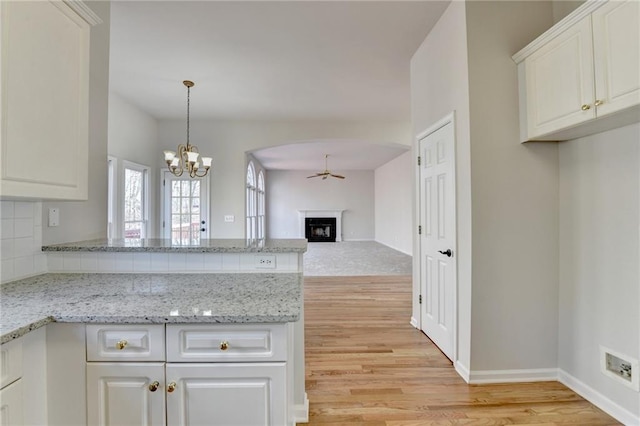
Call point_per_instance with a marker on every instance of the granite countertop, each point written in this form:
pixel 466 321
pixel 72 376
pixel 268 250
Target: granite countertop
pixel 160 245
pixel 148 298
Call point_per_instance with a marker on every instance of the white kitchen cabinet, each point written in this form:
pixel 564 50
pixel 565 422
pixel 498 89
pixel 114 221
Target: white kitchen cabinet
pixel 45 99
pixel 125 393
pixel 226 374
pixel 583 75
pixel 11 409
pixel 249 394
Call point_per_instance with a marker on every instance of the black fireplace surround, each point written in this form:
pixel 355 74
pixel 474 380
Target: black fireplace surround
pixel 320 229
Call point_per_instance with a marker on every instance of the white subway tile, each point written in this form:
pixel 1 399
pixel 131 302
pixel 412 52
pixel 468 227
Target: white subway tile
pixel 55 262
pixel 123 262
pixel 6 270
pixel 6 249
pixel 141 262
pixel 23 247
pixel 37 239
pixel 37 213
pixel 40 263
pixel 159 262
pixel 6 228
pixel 72 262
pixel 106 262
pixel 176 262
pixel 212 262
pixel 23 209
pixel 6 209
pixel 194 262
pixel 230 261
pixel 89 262
pixel 23 228
pixel 247 261
pixel 23 266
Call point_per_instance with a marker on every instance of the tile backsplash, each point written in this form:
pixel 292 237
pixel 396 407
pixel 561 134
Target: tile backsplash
pixel 21 240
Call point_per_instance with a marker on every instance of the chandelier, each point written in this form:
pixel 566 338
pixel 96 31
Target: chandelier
pixel 187 159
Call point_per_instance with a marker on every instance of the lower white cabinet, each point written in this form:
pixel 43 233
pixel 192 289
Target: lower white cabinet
pixel 236 376
pixel 11 410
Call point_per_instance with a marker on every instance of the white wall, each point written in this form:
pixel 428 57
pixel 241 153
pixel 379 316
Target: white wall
pixel 290 191
pixel 393 203
pixel 514 199
pixel 599 257
pixel 506 192
pixel 133 136
pixel 439 85
pixel 82 220
pixel 229 141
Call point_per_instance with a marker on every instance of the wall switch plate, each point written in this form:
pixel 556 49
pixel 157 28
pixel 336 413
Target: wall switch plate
pixel 229 218
pixel 54 216
pixel 266 261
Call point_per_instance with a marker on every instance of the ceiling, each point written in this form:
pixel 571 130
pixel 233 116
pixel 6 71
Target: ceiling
pixel 273 61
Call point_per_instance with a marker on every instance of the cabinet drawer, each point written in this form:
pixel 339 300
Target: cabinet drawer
pixel 125 342
pixel 10 362
pixel 227 343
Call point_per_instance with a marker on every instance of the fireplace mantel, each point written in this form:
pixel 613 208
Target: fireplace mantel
pixel 303 214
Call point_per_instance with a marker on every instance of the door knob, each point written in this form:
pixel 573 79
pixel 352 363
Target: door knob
pixel 202 229
pixel 203 222
pixel 448 253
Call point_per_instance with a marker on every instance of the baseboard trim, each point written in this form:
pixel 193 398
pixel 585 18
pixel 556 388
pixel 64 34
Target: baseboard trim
pixel 301 411
pixel 513 376
pixel 462 370
pixel 414 322
pixel 599 400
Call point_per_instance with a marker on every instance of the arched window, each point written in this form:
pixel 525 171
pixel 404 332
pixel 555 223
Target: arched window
pixel 261 205
pixel 251 203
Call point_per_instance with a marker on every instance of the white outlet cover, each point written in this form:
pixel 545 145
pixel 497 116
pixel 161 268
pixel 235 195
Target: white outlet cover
pixel 634 383
pixel 229 218
pixel 54 216
pixel 267 261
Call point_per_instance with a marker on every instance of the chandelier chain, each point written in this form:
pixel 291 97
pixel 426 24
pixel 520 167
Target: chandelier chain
pixel 188 108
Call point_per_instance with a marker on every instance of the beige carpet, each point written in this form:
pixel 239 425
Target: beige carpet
pixel 354 258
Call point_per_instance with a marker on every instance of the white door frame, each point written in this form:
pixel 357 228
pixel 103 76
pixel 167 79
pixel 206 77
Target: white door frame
pixel 416 321
pixel 205 193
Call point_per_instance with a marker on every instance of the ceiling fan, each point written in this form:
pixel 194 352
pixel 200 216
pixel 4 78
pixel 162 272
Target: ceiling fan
pixel 326 172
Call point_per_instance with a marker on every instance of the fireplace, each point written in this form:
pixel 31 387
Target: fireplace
pixel 320 229
pixel 336 215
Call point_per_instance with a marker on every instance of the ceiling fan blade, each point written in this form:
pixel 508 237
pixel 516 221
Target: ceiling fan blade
pixel 337 176
pixel 312 176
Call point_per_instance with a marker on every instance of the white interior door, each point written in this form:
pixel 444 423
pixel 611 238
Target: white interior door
pixel 186 209
pixel 437 238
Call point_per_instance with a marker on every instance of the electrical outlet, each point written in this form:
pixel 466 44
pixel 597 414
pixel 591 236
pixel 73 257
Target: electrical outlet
pixel 620 367
pixel 229 218
pixel 266 261
pixel 54 216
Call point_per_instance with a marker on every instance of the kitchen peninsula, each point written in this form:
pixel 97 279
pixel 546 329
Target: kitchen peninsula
pixel 146 342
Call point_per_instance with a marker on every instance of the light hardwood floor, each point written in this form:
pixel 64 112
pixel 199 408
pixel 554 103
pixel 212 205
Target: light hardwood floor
pixel 367 366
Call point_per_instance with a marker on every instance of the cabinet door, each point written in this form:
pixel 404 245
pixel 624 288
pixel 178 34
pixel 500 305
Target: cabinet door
pixel 560 81
pixel 616 42
pixel 11 405
pixel 251 394
pixel 119 394
pixel 45 95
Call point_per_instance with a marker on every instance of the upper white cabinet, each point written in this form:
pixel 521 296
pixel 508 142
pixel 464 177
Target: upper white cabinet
pixel 45 99
pixel 583 75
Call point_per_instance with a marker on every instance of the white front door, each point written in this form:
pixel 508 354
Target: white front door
pixel 437 239
pixel 186 209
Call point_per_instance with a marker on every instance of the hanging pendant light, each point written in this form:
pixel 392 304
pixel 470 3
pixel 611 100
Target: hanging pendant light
pixel 188 159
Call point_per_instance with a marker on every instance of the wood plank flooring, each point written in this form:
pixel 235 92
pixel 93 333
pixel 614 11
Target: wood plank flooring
pixel 367 366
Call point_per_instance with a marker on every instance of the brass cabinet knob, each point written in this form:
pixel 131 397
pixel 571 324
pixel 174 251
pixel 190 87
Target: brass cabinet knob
pixel 154 386
pixel 171 387
pixel 224 345
pixel 598 102
pixel 586 107
pixel 121 344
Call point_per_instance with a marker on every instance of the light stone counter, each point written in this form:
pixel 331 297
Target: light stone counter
pixel 148 298
pixel 158 245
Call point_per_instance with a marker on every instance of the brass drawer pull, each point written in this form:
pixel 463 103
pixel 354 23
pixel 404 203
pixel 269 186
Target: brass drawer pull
pixel 224 345
pixel 154 386
pixel 171 387
pixel 121 344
